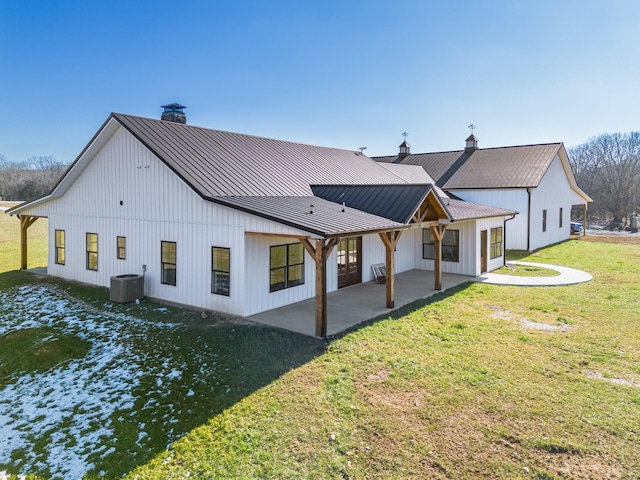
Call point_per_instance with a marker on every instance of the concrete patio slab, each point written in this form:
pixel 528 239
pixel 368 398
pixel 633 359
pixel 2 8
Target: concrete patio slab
pixel 353 305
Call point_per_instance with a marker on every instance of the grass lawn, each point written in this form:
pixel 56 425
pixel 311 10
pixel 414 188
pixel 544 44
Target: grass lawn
pixel 10 242
pixel 485 381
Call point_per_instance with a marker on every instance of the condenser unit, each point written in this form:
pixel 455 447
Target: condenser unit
pixel 127 288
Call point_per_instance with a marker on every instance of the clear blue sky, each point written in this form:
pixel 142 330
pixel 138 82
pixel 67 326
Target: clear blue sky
pixel 339 73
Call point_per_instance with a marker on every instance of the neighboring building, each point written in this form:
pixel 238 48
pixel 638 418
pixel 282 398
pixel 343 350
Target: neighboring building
pixel 535 180
pixel 241 224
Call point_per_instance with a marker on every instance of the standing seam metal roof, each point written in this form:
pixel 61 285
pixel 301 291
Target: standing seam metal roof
pixel 502 167
pixel 217 163
pixel 395 202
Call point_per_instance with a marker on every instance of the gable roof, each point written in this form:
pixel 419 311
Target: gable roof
pixel 503 167
pixel 395 202
pixel 216 163
pixel 271 178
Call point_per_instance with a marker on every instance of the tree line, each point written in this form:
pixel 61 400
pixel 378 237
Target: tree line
pixel 29 179
pixel 607 168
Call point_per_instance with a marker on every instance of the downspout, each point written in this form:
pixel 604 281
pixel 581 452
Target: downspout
pixel 504 256
pixel 528 218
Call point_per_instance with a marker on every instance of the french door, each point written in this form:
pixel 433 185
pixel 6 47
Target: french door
pixel 349 262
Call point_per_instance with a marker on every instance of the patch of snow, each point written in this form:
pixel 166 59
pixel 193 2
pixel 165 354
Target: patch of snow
pixel 617 381
pixel 72 406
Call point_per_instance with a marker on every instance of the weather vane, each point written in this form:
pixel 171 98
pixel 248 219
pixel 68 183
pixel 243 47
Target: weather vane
pixel 405 135
pixel 472 126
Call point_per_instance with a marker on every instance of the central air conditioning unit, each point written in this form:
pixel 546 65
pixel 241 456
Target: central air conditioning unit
pixel 127 288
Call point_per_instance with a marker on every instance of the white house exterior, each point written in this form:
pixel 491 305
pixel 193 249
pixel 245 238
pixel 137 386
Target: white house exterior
pixel 534 180
pixel 207 216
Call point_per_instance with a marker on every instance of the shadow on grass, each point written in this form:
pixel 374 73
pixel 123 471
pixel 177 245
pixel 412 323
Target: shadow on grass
pixel 208 365
pixel 406 309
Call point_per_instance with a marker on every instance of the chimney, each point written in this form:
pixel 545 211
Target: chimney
pixel 472 144
pixel 173 112
pixel 405 149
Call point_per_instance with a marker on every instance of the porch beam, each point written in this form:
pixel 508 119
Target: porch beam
pixel 308 247
pixel 25 223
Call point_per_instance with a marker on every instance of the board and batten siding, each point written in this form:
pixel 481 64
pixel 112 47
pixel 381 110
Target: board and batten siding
pixel 467 260
pixel 487 224
pixel 553 192
pixel 512 198
pixel 126 191
pixel 257 248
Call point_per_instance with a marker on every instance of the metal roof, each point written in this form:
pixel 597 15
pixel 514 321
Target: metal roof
pixel 503 167
pixel 395 202
pixel 217 163
pixel 461 210
pixel 328 218
pixel 435 164
pixel 507 167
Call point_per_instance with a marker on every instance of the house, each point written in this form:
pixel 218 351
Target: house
pixel 535 180
pixel 241 224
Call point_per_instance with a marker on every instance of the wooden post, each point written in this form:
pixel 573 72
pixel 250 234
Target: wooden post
pixel 438 234
pixel 319 253
pixel 321 289
pixel 390 240
pixel 584 224
pixel 25 223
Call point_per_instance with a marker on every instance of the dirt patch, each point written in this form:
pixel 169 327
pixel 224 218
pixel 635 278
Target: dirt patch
pixel 621 239
pixel 526 324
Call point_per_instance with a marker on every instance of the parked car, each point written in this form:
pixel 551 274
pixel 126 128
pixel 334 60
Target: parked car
pixel 576 228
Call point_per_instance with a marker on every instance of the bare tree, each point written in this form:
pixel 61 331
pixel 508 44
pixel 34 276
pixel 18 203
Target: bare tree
pixel 30 179
pixel 607 167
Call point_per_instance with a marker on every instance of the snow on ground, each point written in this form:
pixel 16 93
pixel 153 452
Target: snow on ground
pixel 68 412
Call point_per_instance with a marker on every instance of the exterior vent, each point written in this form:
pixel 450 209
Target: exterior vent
pixel 174 112
pixel 127 288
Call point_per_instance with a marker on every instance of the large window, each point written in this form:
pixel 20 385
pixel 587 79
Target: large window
pixel 286 266
pixel 544 220
pixel 496 242
pixel 60 247
pixel 92 251
pixel 450 245
pixel 121 246
pixel 220 270
pixel 168 261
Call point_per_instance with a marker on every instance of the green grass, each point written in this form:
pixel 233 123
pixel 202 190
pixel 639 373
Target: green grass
pixel 456 388
pixel 33 350
pixel 526 271
pixel 10 243
pixel 460 386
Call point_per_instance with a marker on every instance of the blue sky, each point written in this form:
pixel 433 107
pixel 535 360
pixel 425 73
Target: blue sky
pixel 339 73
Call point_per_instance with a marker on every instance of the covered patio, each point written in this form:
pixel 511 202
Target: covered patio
pixel 350 306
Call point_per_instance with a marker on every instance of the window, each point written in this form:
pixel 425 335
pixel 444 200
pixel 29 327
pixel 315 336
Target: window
pixel 496 242
pixel 560 217
pixel 168 261
pixel 287 266
pixel 220 270
pixel 544 220
pixel 450 245
pixel 92 251
pixel 60 247
pixel 121 243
